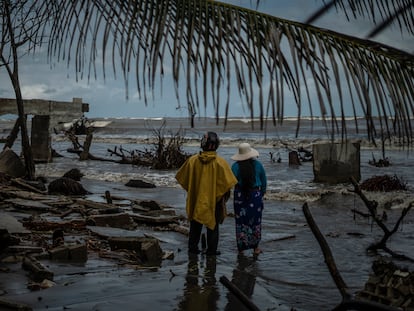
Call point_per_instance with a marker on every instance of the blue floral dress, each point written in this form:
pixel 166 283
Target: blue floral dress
pixel 248 216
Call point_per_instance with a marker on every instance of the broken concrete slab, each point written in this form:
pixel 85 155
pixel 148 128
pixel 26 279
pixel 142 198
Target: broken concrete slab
pixel 148 249
pixel 121 220
pixel 28 204
pixel 72 252
pixel 38 272
pixel 159 219
pixel 11 224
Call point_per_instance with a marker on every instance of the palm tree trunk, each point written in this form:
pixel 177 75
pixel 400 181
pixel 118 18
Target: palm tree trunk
pixel 26 148
pixel 13 135
pixel 14 77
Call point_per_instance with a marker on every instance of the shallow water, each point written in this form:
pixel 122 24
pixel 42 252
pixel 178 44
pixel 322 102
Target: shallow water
pixel 290 273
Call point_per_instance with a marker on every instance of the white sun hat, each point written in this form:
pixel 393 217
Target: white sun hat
pixel 245 152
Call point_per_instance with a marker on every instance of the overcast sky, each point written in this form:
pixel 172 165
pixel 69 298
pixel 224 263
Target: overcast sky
pixel 108 98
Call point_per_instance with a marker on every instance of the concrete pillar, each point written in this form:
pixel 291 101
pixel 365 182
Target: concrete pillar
pixel 336 162
pixel 40 139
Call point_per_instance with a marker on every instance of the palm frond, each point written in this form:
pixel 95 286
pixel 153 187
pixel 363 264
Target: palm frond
pixel 212 46
pixel 382 12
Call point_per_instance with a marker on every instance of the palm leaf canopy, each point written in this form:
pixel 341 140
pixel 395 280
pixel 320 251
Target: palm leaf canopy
pixel 382 12
pixel 212 47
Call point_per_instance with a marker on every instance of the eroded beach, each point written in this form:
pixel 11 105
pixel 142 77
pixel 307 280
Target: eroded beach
pixel 290 274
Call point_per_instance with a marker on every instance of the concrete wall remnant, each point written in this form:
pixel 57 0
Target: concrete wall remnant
pixel 336 162
pixel 40 139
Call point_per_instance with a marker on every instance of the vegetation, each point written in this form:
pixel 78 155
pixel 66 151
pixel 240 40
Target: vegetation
pixel 166 151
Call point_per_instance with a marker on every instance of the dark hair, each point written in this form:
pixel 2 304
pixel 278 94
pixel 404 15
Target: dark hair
pixel 247 175
pixel 210 141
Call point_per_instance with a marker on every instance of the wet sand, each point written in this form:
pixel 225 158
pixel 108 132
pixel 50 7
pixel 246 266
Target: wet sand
pixel 290 273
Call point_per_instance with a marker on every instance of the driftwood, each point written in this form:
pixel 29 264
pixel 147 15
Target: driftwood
pixel 347 303
pixel 239 294
pixel 372 208
pixel 86 145
pixel 380 163
pixel 28 185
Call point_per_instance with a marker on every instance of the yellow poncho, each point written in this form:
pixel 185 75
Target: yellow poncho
pixel 206 177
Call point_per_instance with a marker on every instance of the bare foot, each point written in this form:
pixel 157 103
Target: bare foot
pixel 257 251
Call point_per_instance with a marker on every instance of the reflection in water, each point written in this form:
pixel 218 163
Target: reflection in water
pixel 200 288
pixel 244 280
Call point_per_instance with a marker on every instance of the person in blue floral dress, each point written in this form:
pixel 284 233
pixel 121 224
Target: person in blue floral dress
pixel 248 198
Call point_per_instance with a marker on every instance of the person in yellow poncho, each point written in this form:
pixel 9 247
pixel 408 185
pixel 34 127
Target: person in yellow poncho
pixel 207 178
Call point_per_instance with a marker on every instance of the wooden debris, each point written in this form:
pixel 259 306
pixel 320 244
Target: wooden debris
pixel 34 186
pixel 380 163
pixel 51 226
pixel 108 197
pixel 383 183
pixel 29 204
pixel 294 158
pixel 389 285
pixel 121 220
pixel 16 249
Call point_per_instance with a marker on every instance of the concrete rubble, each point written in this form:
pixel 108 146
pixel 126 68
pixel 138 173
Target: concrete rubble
pixel 36 227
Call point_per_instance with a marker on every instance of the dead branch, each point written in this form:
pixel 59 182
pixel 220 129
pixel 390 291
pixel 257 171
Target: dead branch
pixel 329 260
pixel 347 303
pixel 372 208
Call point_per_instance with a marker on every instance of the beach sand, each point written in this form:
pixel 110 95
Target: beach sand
pixel 290 274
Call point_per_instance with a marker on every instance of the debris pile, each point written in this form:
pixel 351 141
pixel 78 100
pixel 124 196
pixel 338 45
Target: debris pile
pixel 389 285
pixel 73 228
pixel 383 183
